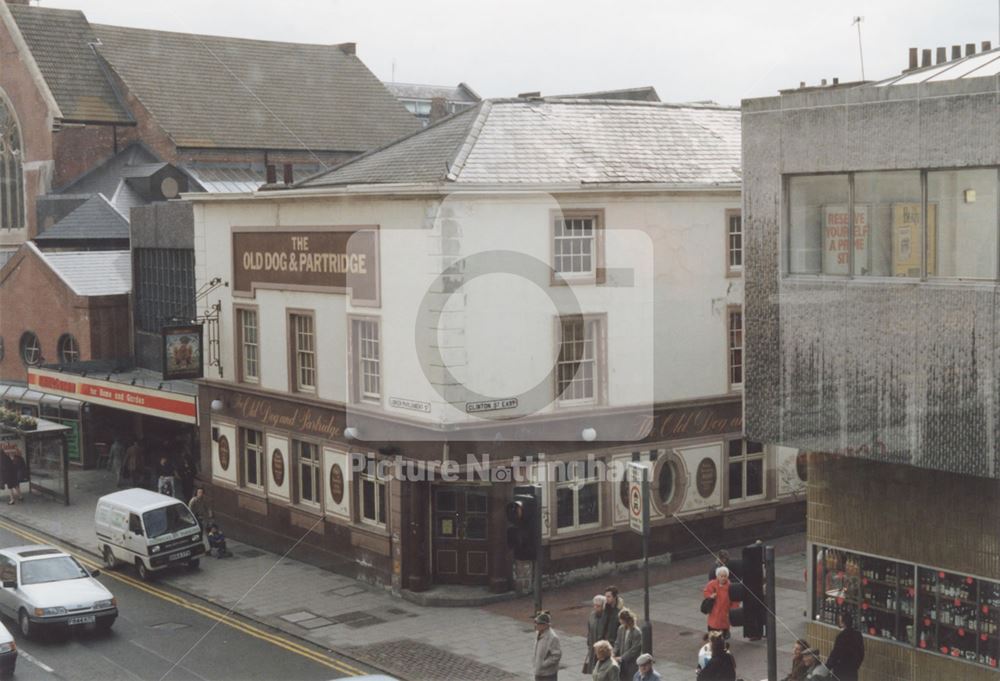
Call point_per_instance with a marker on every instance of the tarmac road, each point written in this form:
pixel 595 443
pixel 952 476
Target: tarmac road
pixel 162 635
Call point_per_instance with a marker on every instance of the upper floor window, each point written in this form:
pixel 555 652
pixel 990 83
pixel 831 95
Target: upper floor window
pixel 734 242
pixel 69 349
pixel 367 357
pixel 735 348
pixel 577 244
pixel 11 174
pixel 247 345
pixel 578 378
pixel 303 355
pixel 902 223
pixel 31 349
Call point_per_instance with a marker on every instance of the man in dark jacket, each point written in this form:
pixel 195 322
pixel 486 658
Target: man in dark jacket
pixel 848 651
pixel 613 605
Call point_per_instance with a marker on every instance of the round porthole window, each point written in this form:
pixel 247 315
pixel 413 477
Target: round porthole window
pixel 666 482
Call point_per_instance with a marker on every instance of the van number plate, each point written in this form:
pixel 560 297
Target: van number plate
pixel 179 555
pixel 85 619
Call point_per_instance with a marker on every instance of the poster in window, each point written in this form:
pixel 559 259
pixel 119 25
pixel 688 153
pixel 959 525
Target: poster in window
pixel 906 239
pixel 182 352
pixel 836 238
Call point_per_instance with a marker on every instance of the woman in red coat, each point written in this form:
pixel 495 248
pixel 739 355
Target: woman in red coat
pixel 718 589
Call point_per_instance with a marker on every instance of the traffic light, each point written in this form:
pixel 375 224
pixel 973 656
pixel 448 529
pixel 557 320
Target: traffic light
pixel 522 514
pixel 752 576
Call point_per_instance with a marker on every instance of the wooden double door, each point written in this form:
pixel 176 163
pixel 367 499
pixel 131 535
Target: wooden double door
pixel 460 534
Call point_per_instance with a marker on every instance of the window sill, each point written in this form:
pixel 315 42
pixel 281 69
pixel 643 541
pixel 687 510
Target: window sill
pixel 307 509
pixel 569 534
pixel 372 528
pixel 258 492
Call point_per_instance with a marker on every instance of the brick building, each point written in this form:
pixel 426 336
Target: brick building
pixel 871 301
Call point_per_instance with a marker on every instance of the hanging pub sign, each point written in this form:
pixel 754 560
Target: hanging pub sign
pixel 182 352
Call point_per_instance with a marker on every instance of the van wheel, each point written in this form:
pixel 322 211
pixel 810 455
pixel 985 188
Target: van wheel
pixel 144 573
pixel 194 563
pixel 110 562
pixel 26 628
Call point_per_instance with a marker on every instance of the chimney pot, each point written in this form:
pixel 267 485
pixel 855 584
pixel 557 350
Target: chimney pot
pixel 925 58
pixel 271 174
pixel 439 109
pixel 987 46
pixel 913 58
pixel 956 51
pixel 530 95
pixel 970 49
pixel 836 81
pixel 823 82
pixel 942 55
pixel 287 168
pixel 802 83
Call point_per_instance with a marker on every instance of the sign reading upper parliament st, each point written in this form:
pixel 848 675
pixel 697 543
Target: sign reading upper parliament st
pixel 322 259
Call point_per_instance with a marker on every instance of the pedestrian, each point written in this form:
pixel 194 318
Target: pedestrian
pixel 8 477
pixel 628 644
pixel 595 632
pixel 722 665
pixel 20 475
pixel 646 671
pixel 613 604
pixel 718 590
pixel 217 542
pixel 721 560
pixel 200 507
pixel 116 458
pixel 166 478
pixel 133 463
pixel 605 667
pixel 848 650
pixel 186 473
pixel 799 659
pixel 548 652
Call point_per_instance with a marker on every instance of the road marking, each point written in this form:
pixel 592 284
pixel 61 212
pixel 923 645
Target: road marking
pixel 223 618
pixel 21 652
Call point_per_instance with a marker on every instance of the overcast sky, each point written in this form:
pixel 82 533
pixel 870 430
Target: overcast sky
pixel 693 50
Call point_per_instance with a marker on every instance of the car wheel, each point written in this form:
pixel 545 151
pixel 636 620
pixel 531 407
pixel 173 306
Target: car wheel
pixel 25 624
pixel 145 574
pixel 104 624
pixel 110 562
pixel 194 563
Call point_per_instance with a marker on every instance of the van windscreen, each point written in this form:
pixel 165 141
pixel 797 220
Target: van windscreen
pixel 167 520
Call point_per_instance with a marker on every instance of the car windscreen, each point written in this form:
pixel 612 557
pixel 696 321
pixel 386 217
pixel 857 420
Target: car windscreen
pixel 51 570
pixel 166 520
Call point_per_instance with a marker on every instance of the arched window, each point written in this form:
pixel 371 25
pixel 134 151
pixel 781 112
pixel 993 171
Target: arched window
pixel 69 349
pixel 11 178
pixel 31 349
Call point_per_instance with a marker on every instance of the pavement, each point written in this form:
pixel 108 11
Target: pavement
pixel 421 643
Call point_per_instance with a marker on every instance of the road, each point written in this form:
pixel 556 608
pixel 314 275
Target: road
pixel 163 635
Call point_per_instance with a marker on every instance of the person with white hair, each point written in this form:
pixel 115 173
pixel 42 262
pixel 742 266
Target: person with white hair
pixel 595 631
pixel 718 590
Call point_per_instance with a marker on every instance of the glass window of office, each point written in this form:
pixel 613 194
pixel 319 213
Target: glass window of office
pixel 962 223
pixel 818 225
pixel 887 225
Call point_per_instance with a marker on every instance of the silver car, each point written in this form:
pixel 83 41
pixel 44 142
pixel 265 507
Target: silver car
pixel 43 586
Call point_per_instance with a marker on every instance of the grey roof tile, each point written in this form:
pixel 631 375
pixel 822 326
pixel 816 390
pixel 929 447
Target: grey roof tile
pixel 452 93
pixel 92 273
pixel 96 218
pixel 59 42
pixel 520 142
pixel 211 91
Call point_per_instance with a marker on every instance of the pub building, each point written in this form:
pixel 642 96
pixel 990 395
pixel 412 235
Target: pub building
pixel 483 324
pixel 871 299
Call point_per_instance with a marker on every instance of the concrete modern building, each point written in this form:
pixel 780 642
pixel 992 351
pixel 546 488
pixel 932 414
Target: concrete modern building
pixel 871 214
pixel 431 103
pixel 528 278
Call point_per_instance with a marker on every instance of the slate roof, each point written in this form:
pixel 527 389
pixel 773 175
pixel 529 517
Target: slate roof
pixel 545 141
pixel 58 40
pixel 228 178
pixel 452 93
pixel 638 94
pixel 91 273
pixel 211 91
pixel 105 178
pixel 96 218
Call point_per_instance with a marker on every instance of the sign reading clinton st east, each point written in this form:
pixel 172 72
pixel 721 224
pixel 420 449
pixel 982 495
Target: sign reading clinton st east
pixel 333 259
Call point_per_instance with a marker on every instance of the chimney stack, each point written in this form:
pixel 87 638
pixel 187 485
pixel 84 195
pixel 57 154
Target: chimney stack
pixel 802 83
pixel 956 51
pixel 970 49
pixel 823 83
pixel 987 46
pixel 913 59
pixel 350 49
pixel 271 174
pixel 439 109
pixel 942 55
pixel 836 81
pixel 288 173
pixel 925 58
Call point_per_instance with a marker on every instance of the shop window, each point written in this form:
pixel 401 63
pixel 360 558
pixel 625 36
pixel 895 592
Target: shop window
pixel 576 245
pixel 746 470
pixel 372 494
pixel 303 359
pixel 248 345
pixel 253 458
pixel 735 351
pixel 887 225
pixel 734 243
pixel 11 171
pixel 367 358
pixel 578 495
pixel 31 349
pixel 962 223
pixel 308 468
pixel 69 350
pixel 818 224
pixel 579 363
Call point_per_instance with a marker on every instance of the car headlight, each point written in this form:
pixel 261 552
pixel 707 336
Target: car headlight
pixel 8 647
pixel 49 612
pixel 155 549
pixel 103 605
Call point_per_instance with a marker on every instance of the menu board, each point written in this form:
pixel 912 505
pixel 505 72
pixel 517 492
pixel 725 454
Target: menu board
pixel 939 612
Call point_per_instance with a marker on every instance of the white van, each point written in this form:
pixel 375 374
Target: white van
pixel 148 530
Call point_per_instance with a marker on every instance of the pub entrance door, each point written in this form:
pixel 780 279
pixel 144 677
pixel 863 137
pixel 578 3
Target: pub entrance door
pixel 461 525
